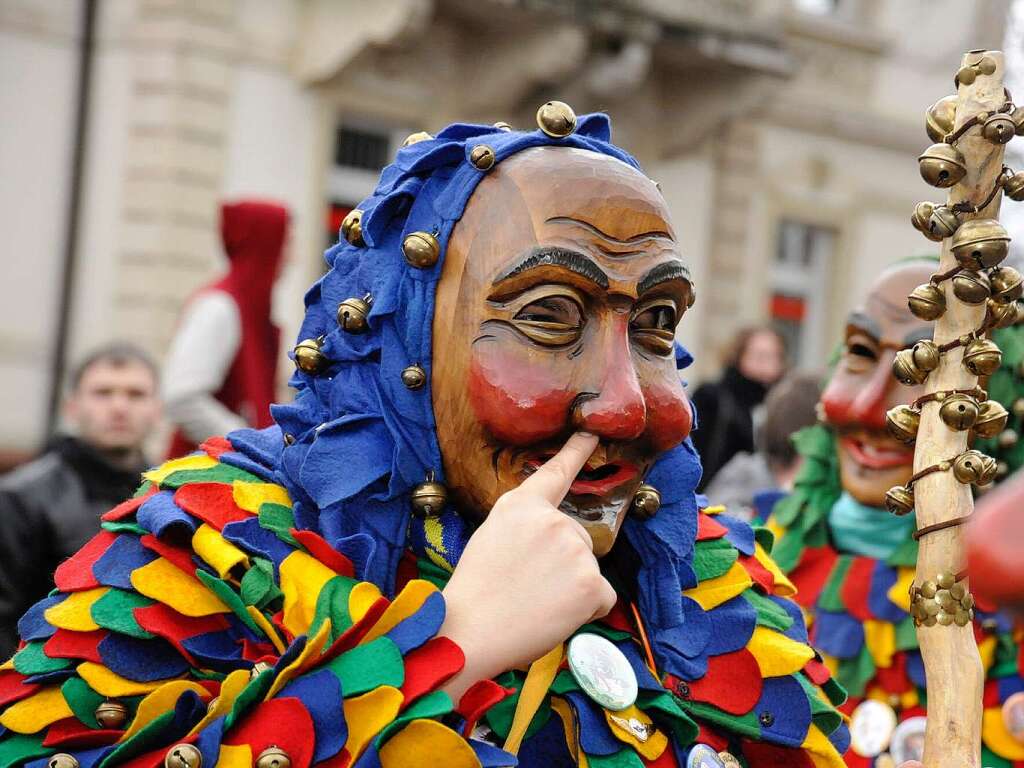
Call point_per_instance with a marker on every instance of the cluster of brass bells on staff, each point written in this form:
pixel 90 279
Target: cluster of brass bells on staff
pixel 942 165
pixel 944 601
pixel 980 244
pixel 936 222
pixel 1002 286
pixel 969 468
pixel 958 411
pixel 912 366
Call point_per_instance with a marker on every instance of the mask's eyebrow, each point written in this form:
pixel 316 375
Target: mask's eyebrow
pixel 920 334
pixel 662 273
pixel 552 256
pixel 865 323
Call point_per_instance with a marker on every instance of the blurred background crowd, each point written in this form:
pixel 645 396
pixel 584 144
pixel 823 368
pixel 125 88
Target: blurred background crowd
pixel 141 312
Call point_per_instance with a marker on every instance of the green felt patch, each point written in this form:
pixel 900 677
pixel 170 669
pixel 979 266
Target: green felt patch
pixel 831 594
pixel 148 737
pixel 82 699
pixel 745 725
pixel 332 603
pixel 769 614
pixel 825 717
pixel 115 611
pixel 499 717
pixel 279 519
pixel 32 660
pixel 258 586
pixel 765 538
pixel 369 666
pixel 222 473
pixel 855 674
pixel 18 748
pixel 123 526
pixel 713 558
pixel 227 595
pixel 433 706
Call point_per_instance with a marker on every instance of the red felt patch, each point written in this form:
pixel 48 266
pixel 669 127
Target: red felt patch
pixel 910 712
pixel 340 760
pixel 407 571
pixel 762 576
pixel 479 698
pixel 75 573
pixel 765 755
pixel 261 651
pixel 318 547
pixel 70 732
pixel 180 557
pixel 68 644
pixel 128 507
pixel 215 446
pixel 811 574
pixel 355 633
pixel 165 622
pixel 732 683
pixel 213 503
pixel 712 738
pixel 709 528
pixel 853 760
pixel 284 723
pixel 618 618
pixel 427 667
pixel 817 672
pixel 857 587
pixel 665 760
pixel 152 759
pixel 894 678
pixel 13 689
pixel 990 698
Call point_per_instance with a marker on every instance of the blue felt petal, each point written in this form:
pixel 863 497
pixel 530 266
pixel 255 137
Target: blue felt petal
pixel 840 738
pixel 159 515
pixel 209 739
pixel 547 746
pixel 86 758
pixel 248 535
pixel 491 756
pixel 115 566
pixel 32 626
pixel 785 705
pixel 838 634
pixel 415 630
pixel 243 462
pixel 882 580
pixel 1009 686
pixel 596 738
pixel 915 668
pixel 798 629
pixel 141 660
pixel 50 678
pixel 732 624
pixel 218 649
pixel 320 693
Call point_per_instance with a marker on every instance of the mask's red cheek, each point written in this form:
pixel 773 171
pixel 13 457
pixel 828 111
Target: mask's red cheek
pixel 669 418
pixel 517 400
pixel 838 399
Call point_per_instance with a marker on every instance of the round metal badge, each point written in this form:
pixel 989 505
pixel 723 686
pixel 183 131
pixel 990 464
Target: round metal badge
pixel 1013 715
pixel 703 756
pixel 602 671
pixel 908 740
pixel 871 728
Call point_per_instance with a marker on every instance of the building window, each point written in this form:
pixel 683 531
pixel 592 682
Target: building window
pixel 798 304
pixel 818 7
pixel 357 148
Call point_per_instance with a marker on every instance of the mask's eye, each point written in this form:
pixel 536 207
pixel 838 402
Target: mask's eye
pixel 654 325
pixel 551 320
pixel 860 354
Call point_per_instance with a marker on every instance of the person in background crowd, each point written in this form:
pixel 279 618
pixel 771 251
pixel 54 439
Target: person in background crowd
pixel 750 483
pixel 221 370
pixel 50 507
pixel 725 422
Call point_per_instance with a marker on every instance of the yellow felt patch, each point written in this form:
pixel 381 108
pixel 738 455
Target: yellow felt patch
pixel 162 580
pixel 564 711
pixel 532 695
pixel 168 468
pixel 9 664
pixel 234 756
pixel 302 578
pixel 427 744
pixel 880 637
pixel 717 509
pixel 713 592
pixel 34 713
pixel 820 749
pixel 405 604
pixel 231 686
pixel 75 613
pixel 997 738
pixel 987 652
pixel 649 749
pixel 160 701
pixel 106 683
pixel 268 629
pixel 310 652
pixel 251 496
pixel 783 586
pixel 436 551
pixel 366 715
pixel 363 595
pixel 218 551
pixel 777 654
pixel 777 530
pixel 899 592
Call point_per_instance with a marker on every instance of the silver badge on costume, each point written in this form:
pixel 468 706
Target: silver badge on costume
pixel 908 740
pixel 871 728
pixel 602 671
pixel 703 756
pixel 1013 715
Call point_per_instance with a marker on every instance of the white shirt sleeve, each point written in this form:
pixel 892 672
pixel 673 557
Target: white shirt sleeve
pixel 201 354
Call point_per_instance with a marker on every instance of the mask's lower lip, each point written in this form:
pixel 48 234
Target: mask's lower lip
pixel 871 456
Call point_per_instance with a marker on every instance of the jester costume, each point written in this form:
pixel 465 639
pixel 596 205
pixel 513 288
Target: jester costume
pixel 271 599
pixel 853 567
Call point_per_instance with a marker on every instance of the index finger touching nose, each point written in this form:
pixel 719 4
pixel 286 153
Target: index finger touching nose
pixel 553 479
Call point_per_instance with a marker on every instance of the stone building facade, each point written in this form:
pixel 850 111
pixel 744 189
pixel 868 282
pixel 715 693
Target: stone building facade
pixel 782 132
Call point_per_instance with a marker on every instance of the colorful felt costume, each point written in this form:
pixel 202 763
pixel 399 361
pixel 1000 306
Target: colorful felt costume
pixel 857 607
pixel 273 590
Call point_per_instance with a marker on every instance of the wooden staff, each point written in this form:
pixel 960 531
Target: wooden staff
pixel 953 667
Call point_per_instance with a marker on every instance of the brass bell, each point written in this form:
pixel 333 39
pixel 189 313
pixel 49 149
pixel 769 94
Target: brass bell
pixel 905 371
pixel 989 470
pixel 62 760
pixel 903 422
pixel 1008 438
pixel 1013 186
pixel 965 75
pixel 899 500
pixel 959 411
pixel 992 417
pixel 501 125
pixel 943 222
pixel 416 138
pixel 352 227
pixel 921 217
pixel 998 128
pixel 646 502
pixel 980 243
pixel 982 357
pixel 926 355
pixel 974 467
pixel 927 302
pixel 939 118
pixel 308 357
pixel 273 757
pixel 258 669
pixel 556 119
pixel 942 165
pixel 352 314
pixel 971 287
pixel 414 377
pixel 111 714
pixel 183 756
pixel 1004 315
pixel 1018 407
pixel 428 499
pixel 1007 284
pixel 482 157
pixel 421 249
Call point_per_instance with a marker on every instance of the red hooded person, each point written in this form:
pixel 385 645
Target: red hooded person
pixel 221 368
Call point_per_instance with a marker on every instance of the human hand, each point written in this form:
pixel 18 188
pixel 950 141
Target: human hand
pixel 528 577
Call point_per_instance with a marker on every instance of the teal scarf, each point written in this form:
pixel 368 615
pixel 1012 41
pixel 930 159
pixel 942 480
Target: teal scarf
pixel 867 531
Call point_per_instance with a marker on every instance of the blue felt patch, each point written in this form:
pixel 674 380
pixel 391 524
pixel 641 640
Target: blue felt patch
pixel 1009 686
pixel 783 711
pixel 86 758
pixel 221 650
pixel 840 738
pixel 882 580
pixel 160 516
pixel 764 503
pixel 732 624
pixel 263 446
pixel 644 679
pixel 546 747
pixel 798 629
pixel 415 630
pixel 915 668
pixel 739 534
pixel 141 660
pixel 209 739
pixel 243 462
pixel 32 626
pixel 320 692
pixel 838 634
pixel 125 555
pixel 255 540
pixel 596 738
pixel 491 756
pixel 50 678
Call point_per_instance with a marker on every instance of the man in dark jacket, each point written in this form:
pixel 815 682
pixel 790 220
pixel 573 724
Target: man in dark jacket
pixel 50 507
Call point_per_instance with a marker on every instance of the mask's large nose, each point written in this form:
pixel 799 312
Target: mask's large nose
pixel 870 404
pixel 613 409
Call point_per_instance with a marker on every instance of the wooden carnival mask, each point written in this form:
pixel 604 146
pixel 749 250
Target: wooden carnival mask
pixel 863 388
pixel 556 311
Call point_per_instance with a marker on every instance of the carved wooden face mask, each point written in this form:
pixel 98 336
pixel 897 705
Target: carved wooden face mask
pixel 556 311
pixel 863 388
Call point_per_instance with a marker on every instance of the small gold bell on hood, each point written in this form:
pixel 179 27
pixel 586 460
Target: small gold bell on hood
pixel 556 119
pixel 982 357
pixel 899 500
pixel 111 714
pixel 926 355
pixel 938 121
pixel 927 302
pixel 903 422
pixel 416 138
pixel 482 157
pixel 428 499
pixel 980 243
pixel 414 377
pixel 421 249
pixel 921 217
pixel 998 128
pixel 942 165
pixel 943 223
pixel 273 757
pixel 971 287
pixel 905 371
pixel 959 411
pixel 1007 284
pixel 992 417
pixel 308 357
pixel 352 314
pixel 352 227
pixel 646 502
